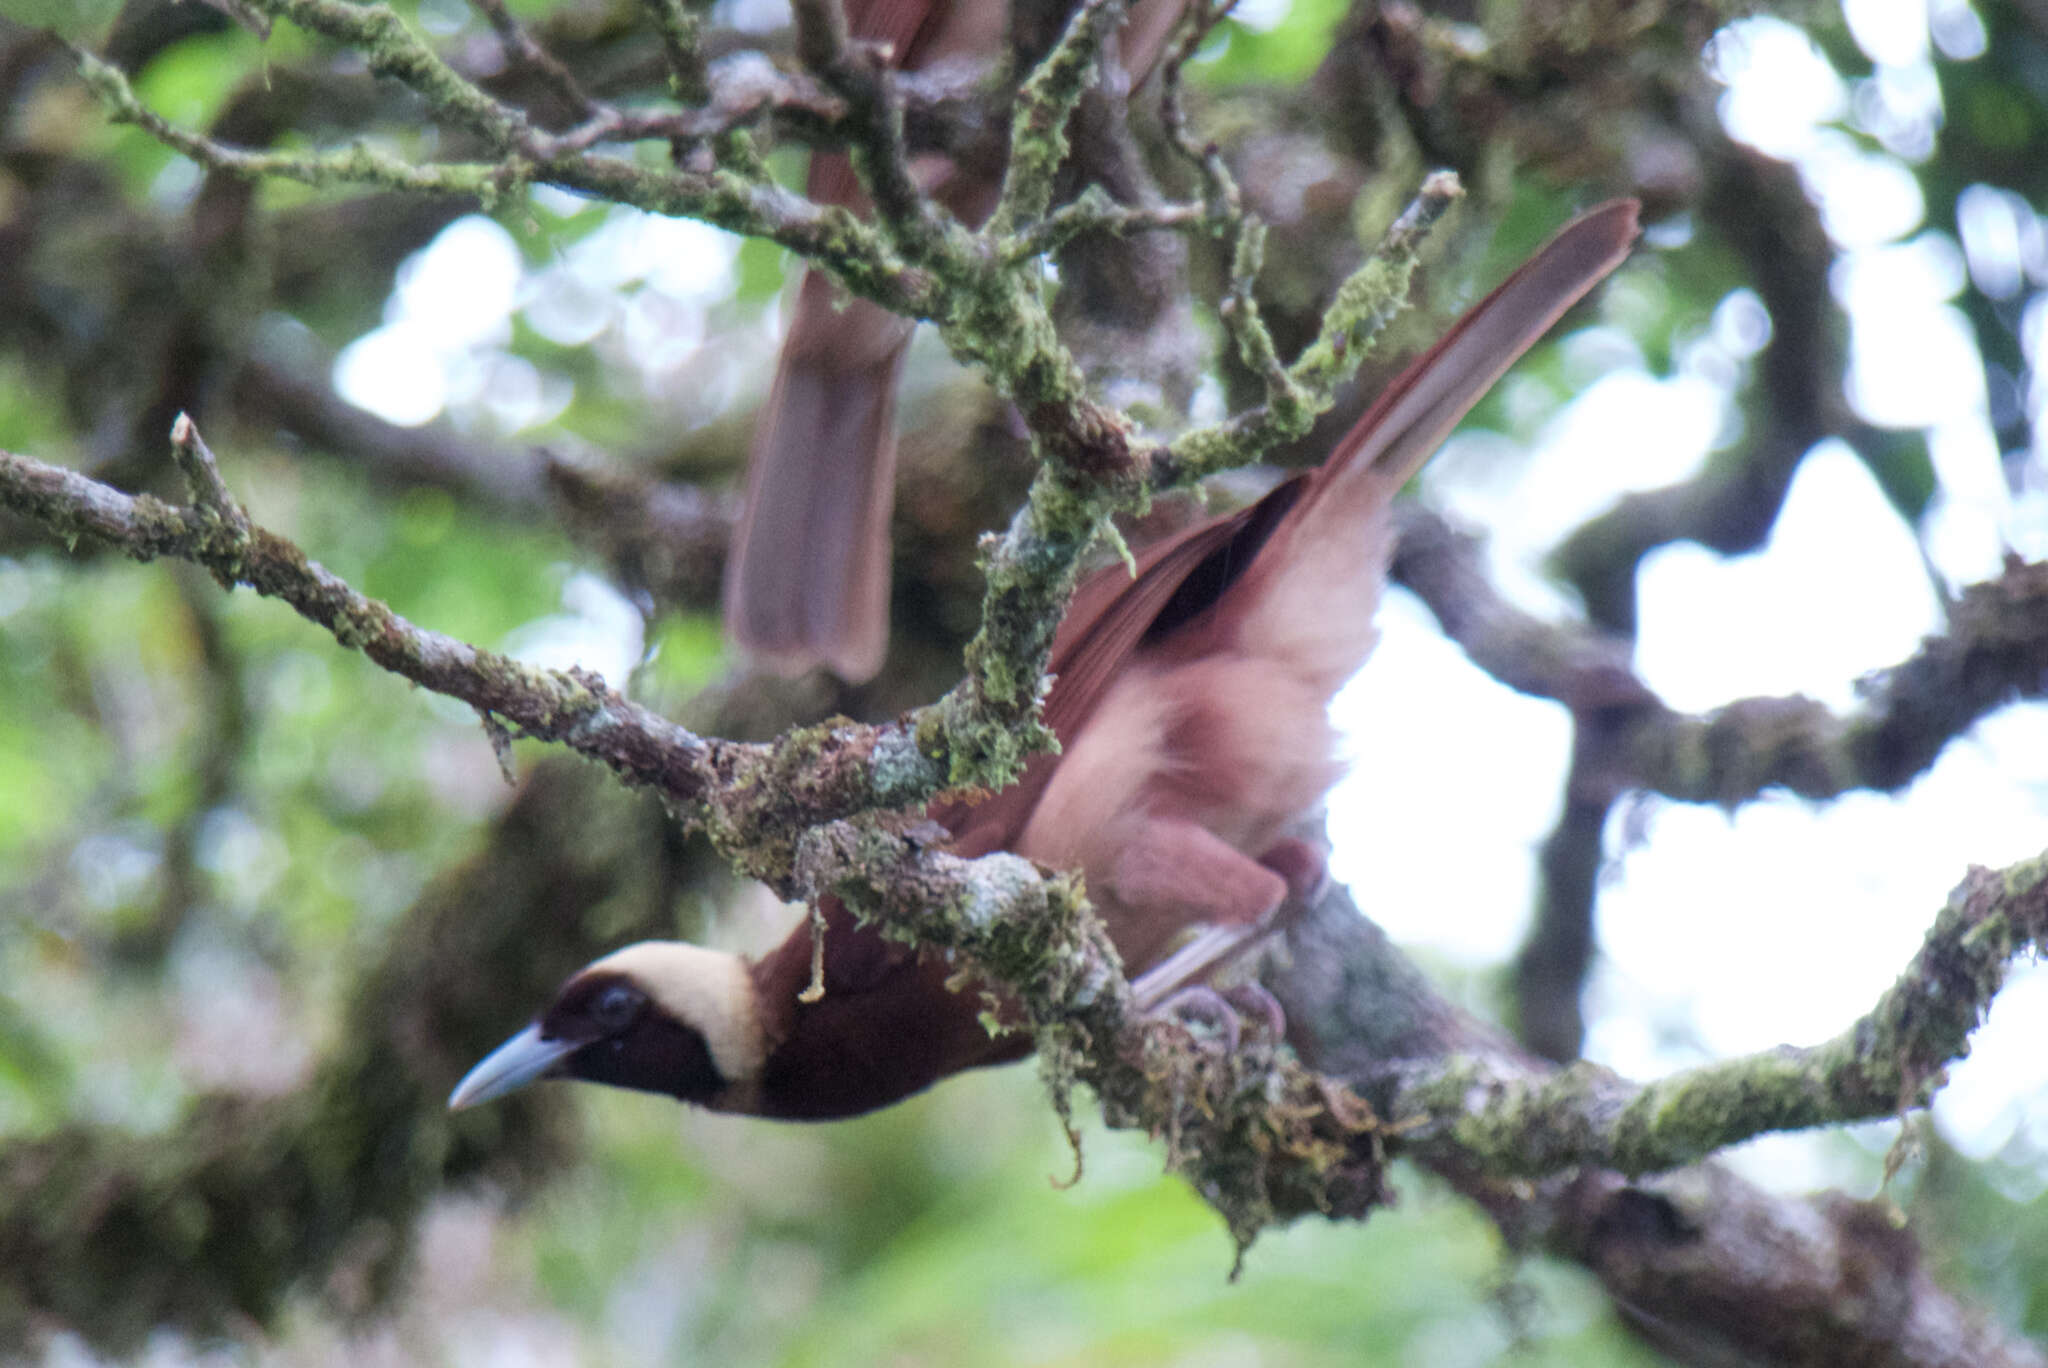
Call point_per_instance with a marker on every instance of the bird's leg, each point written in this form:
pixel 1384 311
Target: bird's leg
pixel 1202 956
pixel 1303 864
pixel 1239 897
pixel 1170 873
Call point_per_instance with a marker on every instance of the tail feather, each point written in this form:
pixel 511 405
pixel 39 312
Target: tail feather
pixel 807 581
pixel 1414 415
pixel 1311 603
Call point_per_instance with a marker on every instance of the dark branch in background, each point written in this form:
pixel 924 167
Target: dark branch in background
pixel 1773 226
pixel 866 82
pixel 665 541
pixel 215 750
pixel 1580 667
pixel 215 1223
pixel 490 476
pixel 1994 652
pixel 545 66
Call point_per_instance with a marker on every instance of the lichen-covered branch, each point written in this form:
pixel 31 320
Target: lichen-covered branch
pixel 771 808
pixel 1710 1268
pixel 1509 1125
pixel 867 83
pixel 1093 211
pixel 748 796
pixel 1364 303
pixel 984 296
pixel 1259 1136
pixel 1045 104
pixel 521 48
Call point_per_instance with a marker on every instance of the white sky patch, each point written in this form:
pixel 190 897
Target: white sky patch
pixel 1261 16
pixel 1901 106
pixel 459 288
pixel 1780 87
pixel 1794 917
pixel 1629 430
pixel 395 373
pixel 756 16
pixel 640 282
pixel 1921 371
pixel 643 289
pixel 568 308
pixel 1801 1161
pixel 453 298
pixel 681 257
pixel 1777 925
pixel 1454 780
pixel 1971 525
pixel 1742 325
pixel 598 629
pixel 1838 591
pixel 1895 286
pixel 2001 1090
pixel 1890 32
pixel 2002 238
pixel 1866 197
pixel 1957 29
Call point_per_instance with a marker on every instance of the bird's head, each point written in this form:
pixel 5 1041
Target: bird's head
pixel 660 1016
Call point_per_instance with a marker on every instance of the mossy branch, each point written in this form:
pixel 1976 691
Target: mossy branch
pixel 1038 133
pixel 1367 300
pixel 746 795
pixel 1501 1121
pixel 681 26
pixel 985 297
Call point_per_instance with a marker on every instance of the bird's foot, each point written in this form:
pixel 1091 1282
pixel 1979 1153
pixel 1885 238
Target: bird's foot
pixel 1219 1017
pixel 1253 1001
pixel 1206 1015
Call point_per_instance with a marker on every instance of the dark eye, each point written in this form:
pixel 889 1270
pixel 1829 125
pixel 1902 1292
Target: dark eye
pixel 615 1008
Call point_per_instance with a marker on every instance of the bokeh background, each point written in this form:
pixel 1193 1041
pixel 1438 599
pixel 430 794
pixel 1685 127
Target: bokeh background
pixel 228 849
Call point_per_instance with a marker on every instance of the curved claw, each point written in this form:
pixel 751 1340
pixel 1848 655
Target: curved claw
pixel 1254 1001
pixel 1203 1006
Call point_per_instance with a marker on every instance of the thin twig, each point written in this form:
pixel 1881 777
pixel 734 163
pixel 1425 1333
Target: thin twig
pixel 858 74
pixel 1365 302
pixel 755 818
pixel 681 26
pixel 1038 139
pixel 1095 212
pixel 521 49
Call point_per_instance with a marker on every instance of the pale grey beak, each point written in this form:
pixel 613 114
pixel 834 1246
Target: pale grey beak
pixel 510 1067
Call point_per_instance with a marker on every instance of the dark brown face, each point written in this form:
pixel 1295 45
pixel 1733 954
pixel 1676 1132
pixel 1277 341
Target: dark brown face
pixel 604 1027
pixel 628 1041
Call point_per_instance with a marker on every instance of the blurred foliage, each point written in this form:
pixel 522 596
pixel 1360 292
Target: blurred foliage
pixel 927 1235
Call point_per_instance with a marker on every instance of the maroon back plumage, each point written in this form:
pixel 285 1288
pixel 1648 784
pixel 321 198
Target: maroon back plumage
pixel 1268 608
